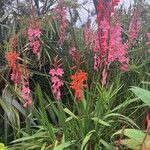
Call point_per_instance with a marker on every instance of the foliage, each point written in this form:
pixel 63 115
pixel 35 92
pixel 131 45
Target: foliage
pixel 65 86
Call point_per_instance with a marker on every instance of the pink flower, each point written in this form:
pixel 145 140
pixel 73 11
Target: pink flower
pixel 147 43
pixel 59 72
pixel 26 94
pixel 148 35
pixel 52 72
pixel 16 74
pixel 34 34
pixel 56 82
pixel 134 26
pixel 35 45
pixel 73 53
pixel 109 43
pixel 60 13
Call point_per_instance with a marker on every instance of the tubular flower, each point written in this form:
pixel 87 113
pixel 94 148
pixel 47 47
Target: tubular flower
pixel 16 74
pixel 60 13
pixel 56 72
pixel 78 83
pixel 134 27
pixel 118 49
pixel 56 82
pixel 89 37
pixel 34 34
pixel 92 42
pixel 16 71
pixel 111 47
pixel 25 92
pixel 12 58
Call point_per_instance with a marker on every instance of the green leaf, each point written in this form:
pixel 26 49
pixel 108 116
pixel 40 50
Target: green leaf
pixel 86 139
pixel 142 94
pixel 131 144
pixel 126 119
pixel 43 147
pixel 37 135
pixel 134 134
pixel 64 145
pixel 2 146
pixel 106 144
pixel 100 121
pixel 46 122
pixel 70 113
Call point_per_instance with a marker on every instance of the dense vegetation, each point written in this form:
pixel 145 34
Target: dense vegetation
pixel 66 86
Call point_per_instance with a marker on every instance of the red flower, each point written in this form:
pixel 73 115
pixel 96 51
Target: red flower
pixel 78 83
pixel 15 68
pixel 12 58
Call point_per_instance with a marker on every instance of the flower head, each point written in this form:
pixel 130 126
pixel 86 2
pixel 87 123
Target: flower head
pixel 12 58
pixel 56 72
pixel 134 26
pixel 34 34
pixel 26 94
pixel 78 83
pixel 60 13
pixel 16 74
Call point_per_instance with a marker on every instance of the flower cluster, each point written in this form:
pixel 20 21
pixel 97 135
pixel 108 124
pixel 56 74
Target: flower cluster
pixel 92 42
pixel 111 46
pixel 12 58
pixel 118 49
pixel 34 34
pixel 56 73
pixel 25 92
pixel 89 37
pixel 134 27
pixel 78 83
pixel 60 13
pixel 16 74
